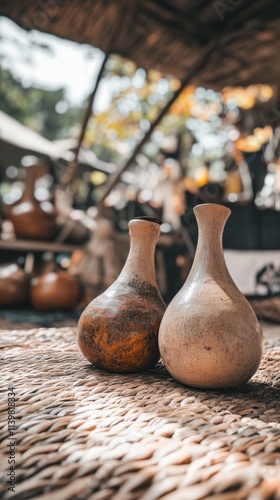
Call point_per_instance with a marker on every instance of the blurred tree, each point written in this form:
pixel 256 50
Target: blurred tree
pixel 46 111
pixel 136 101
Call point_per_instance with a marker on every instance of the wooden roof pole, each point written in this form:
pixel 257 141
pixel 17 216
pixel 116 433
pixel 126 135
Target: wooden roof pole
pixel 72 167
pixel 186 81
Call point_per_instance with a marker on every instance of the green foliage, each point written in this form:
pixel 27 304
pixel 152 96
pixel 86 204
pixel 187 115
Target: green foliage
pixel 36 107
pixel 135 102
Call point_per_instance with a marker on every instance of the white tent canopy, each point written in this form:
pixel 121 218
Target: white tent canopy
pixel 17 140
pixel 14 133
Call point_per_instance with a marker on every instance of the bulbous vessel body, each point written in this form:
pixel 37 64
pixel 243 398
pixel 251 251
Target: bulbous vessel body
pixel 32 219
pixel 210 336
pixel 14 285
pixel 118 331
pixel 54 290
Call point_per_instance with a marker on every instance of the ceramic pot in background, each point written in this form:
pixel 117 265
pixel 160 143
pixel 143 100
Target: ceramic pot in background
pixel 31 218
pixel 210 336
pixel 54 289
pixel 14 285
pixel 118 331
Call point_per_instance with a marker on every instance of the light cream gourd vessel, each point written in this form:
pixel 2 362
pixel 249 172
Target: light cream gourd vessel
pixel 210 336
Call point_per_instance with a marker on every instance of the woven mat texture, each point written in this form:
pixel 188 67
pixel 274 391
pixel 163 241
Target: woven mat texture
pixel 87 434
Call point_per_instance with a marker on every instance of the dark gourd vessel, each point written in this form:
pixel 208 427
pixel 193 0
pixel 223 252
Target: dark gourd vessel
pixel 118 331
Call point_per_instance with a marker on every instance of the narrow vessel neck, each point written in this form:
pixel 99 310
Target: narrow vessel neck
pixel 140 262
pixel 209 258
pixel 29 189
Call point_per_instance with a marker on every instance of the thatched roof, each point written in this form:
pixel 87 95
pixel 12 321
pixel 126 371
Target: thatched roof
pixel 169 34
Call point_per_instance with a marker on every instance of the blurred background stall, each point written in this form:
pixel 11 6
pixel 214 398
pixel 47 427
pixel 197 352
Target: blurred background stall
pixel 174 117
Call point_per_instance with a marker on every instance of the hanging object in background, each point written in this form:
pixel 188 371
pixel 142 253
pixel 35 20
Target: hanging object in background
pixel 14 285
pixel 118 331
pixel 233 181
pixel 31 218
pixel 209 336
pixel 169 193
pixel 269 196
pixel 238 183
pixel 54 289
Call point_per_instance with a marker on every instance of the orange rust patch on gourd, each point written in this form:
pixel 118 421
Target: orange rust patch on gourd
pixel 122 335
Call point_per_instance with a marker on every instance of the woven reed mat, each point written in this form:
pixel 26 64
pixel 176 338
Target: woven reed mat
pixel 86 434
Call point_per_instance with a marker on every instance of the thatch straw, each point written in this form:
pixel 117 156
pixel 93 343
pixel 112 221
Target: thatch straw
pixel 169 35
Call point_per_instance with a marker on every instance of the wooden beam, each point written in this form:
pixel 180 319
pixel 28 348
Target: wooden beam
pixel 37 246
pixel 72 168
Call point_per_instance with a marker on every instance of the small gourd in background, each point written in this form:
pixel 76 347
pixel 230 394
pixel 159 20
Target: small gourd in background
pixel 14 285
pixel 118 330
pixel 32 219
pixel 54 289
